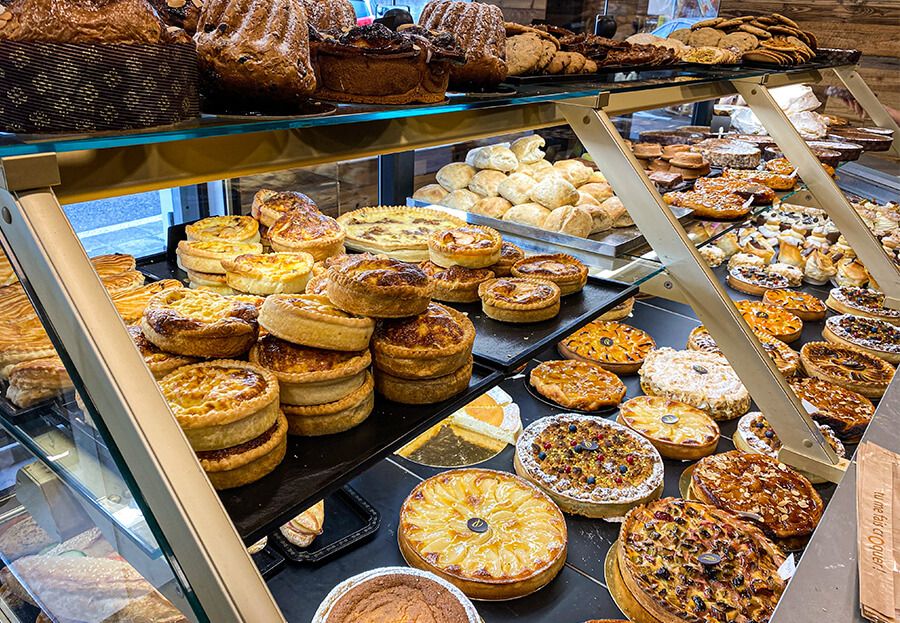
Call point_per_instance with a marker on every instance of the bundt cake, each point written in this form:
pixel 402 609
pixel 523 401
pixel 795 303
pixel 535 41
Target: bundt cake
pixel 83 21
pixel 479 31
pixel 330 14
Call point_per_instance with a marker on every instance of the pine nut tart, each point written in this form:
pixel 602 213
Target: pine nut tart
pixel 311 320
pixel 379 287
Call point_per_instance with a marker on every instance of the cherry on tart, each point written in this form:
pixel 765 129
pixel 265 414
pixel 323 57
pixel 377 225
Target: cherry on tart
pixel 678 430
pixel 848 367
pixel 755 280
pixel 805 306
pixel 861 302
pixel 872 336
pixel 773 320
pixel 846 412
pixel 786 358
pixel 577 384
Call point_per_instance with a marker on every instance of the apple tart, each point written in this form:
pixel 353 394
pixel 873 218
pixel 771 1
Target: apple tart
pixel 519 300
pixel 861 302
pixel 307 232
pixel 870 335
pixel 397 231
pixel 240 229
pixel 846 412
pixel 576 384
pixel 270 273
pixel 770 319
pixel 205 256
pixel 380 287
pixel 678 430
pixel 785 357
pixel 132 303
pixel 491 534
pixel 456 284
pixel 247 462
pixel 567 272
pixel 805 306
pixel 509 255
pixel 268 205
pixel 848 367
pixel 311 320
pixel 332 417
pixel 471 246
pixel 158 361
pixel 616 347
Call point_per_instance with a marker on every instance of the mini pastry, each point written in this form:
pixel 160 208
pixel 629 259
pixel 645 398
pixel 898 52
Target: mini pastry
pixel 532 214
pixel 554 191
pixel 728 243
pixel 793 274
pixel 619 348
pixel 805 306
pixel 430 193
pixel 577 384
pixel 462 199
pixel 846 412
pixel 486 183
pixel 848 367
pixel 771 229
pixel 245 463
pixel 211 282
pixel 761 248
pixel 790 254
pixel 271 273
pixel 312 233
pixel 712 255
pixel 676 429
pixel 819 268
pixel 36 380
pixel 205 256
pixel 303 529
pixel 517 188
pixel 775 321
pixel 509 255
pixel 573 171
pixel 569 273
pixel 861 302
pixel 332 417
pixel 787 359
pixel 456 284
pixel 755 280
pixel 397 231
pixel 572 220
pixel 870 335
pixel 379 287
pixel 312 320
pixel 455 176
pixel 519 300
pixel 493 207
pixel 240 229
pixel 528 148
pixel 158 361
pixel 745 259
pixel 131 303
pixel 817 240
pixel 470 246
pixel 268 206
pixel 850 272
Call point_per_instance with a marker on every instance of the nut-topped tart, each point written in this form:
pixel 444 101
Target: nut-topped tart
pixel 805 306
pixel 519 300
pixel 678 430
pixel 568 272
pixel 491 534
pixel 846 412
pixel 780 500
pixel 311 320
pixel 309 232
pixel 755 280
pixel 617 347
pixel 776 321
pixel 397 231
pixel 861 302
pixel 588 465
pixel 848 367
pixel 380 287
pixel 233 228
pixel 456 284
pixel 509 255
pixel 576 384
pixel 686 562
pixel 785 357
pixel 472 246
pixel 870 335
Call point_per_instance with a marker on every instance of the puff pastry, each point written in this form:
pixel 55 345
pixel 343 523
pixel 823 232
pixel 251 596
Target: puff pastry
pixel 36 380
pixel 268 206
pixel 241 229
pixel 379 287
pixel 270 273
pixel 123 282
pixel 462 199
pixel 205 256
pixel 333 417
pixel 496 157
pixel 211 282
pixel 455 176
pixel 312 320
pixel 519 300
pixel 567 272
pixel 493 207
pixel 302 530
pixel 573 171
pixel 572 220
pixel 471 246
pixel 312 233
pixel 554 191
pixel 430 193
pixel 456 284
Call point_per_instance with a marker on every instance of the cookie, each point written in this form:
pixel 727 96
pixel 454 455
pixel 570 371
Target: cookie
pixel 705 37
pixel 576 64
pixel 559 63
pixel 785 20
pixel 548 51
pixel 708 23
pixel 757 32
pixel 730 23
pixel 681 34
pixel 741 41
pixel 523 54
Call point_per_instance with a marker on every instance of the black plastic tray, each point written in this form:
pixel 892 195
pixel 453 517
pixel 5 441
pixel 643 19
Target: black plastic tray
pixel 269 561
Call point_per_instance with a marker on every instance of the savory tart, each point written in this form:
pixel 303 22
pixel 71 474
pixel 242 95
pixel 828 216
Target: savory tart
pixel 397 231
pixel 333 417
pixel 569 273
pixel 870 335
pixel 303 529
pixel 861 302
pixel 678 430
pixel 620 311
pixel 428 390
pixel 311 320
pixel 509 255
pixel 780 500
pixel 36 380
pixel 846 412
pixel 848 367
pixel 211 282
pixel 307 232
pixel 241 229
pixel 131 304
pixel 310 376
pixel 205 256
pixel 775 321
pixel 686 562
pixel 270 273
pixel 754 280
pixel 123 282
pixel 471 246
pixel 491 534
pixel 245 463
pixel 317 284
pixel 805 306
pixel 112 264
pixel 456 284
pixel 703 380
pixel 200 324
pixel 619 348
pixel 588 465
pixel 380 287
pixel 158 361
pixel 785 357
pixel 268 206
pixel 514 299
pixel 576 384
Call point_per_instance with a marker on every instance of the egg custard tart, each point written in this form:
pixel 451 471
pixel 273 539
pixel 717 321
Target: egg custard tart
pixel 846 412
pixel 244 463
pixel 422 391
pixel 307 232
pixel 491 534
pixel 311 320
pixel 132 303
pixel 861 302
pixel 678 430
pixel 332 417
pixel 577 384
pixel 456 284
pixel 471 246
pixel 112 264
pixel 509 255
pixel 773 320
pixel 569 273
pixel 519 300
pixel 205 256
pixel 397 231
pixel 270 273
pixel 211 282
pixel 870 335
pixel 619 348
pixel 158 361
pixel 123 282
pixel 805 306
pixel 268 205
pixel 755 280
pixel 785 357
pixel 310 376
pixel 200 324
pixel 380 287
pixel 848 367
pixel 241 229
pixel 588 465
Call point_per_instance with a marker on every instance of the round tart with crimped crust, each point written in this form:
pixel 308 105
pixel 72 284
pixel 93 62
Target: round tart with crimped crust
pixel 509 255
pixel 568 272
pixel 775 321
pixel 620 311
pixel 576 384
pixel 333 417
pixel 846 412
pixel 131 304
pixel 397 231
pixel 780 500
pixel 158 361
pixel 232 228
pixel 755 280
pixel 269 273
pixel 785 357
pixel 311 320
pixel 242 464
pixel 472 246
pixel 678 430
pixel 425 390
pixel 268 206
pixel 687 562
pixel 456 284
pixel 112 264
pixel 870 335
pixel 317 285
pixel 380 287
pixel 205 256
pixel 309 232
pixel 848 367
pixel 200 324
pixel 805 306
pixel 861 302
pixel 619 348
pixel 516 299
pixel 588 465
pixel 491 534
pixel 211 282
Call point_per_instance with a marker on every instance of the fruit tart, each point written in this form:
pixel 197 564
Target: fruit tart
pixel 805 306
pixel 870 335
pixel 509 255
pixel 619 348
pixel 678 430
pixel 456 284
pixel 491 534
pixel 846 412
pixel 470 246
pixel 755 280
pixel 311 320
pixel 773 320
pixel 588 465
pixel 569 273
pixel 397 231
pixel 379 287
pixel 786 358
pixel 778 499
pixel 576 384
pixel 519 300
pixel 848 367
pixel 861 302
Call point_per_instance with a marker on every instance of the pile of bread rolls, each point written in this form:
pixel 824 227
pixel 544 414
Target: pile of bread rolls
pixel 514 182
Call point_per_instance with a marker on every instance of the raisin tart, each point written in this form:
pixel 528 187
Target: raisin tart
pixel 245 463
pixel 456 284
pixel 311 320
pixel 861 302
pixel 569 273
pixel 805 306
pixel 846 412
pixel 308 232
pixel 619 348
pixel 397 231
pixel 678 430
pixel 576 384
pixel 333 417
pixel 509 255
pixel 196 323
pixel 491 534
pixel 777 498
pixel 770 319
pixel 755 280
pixel 242 229
pixel 205 256
pixel 519 300
pixel 471 246
pixel 270 273
pixel 379 287
pixel 785 357
pixel 870 335
pixel 588 465
pixel 158 361
pixel 848 367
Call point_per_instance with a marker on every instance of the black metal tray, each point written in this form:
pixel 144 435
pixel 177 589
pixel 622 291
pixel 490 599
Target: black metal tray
pixel 604 74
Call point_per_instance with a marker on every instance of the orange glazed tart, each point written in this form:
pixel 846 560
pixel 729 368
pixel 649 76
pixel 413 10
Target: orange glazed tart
pixel 848 367
pixel 380 287
pixel 456 284
pixel 470 246
pixel 805 306
pixel 567 272
pixel 775 321
pixel 786 358
pixel 678 430
pixel 309 232
pixel 577 384
pixel 861 302
pixel 519 300
pixel 846 412
pixel 619 348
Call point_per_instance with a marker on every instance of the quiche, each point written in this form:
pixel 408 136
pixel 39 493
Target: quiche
pixel 471 246
pixel 617 347
pixel 786 358
pixel 397 231
pixel 806 307
pixel 588 465
pixel 241 229
pixel 567 272
pixel 848 367
pixel 456 284
pixel 269 273
pixel 427 390
pixel 676 429
pixel 576 384
pixel 311 320
pixel 755 280
pixel 379 287
pixel 846 412
pixel 775 321
pixel 491 534
pixel 861 302
pixel 509 255
pixel 519 300
pixel 870 335
pixel 205 256
pixel 158 361
pixel 307 232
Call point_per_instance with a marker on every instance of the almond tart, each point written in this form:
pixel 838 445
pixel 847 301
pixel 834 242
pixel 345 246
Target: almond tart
pixel 509 255
pixel 872 336
pixel 569 273
pixel 196 323
pixel 245 463
pixel 270 273
pixel 456 284
pixel 576 384
pixel 519 300
pixel 397 231
pixel 132 303
pixel 268 205
pixel 616 347
pixel 775 497
pixel 241 229
pixel 205 256
pixel 491 534
pixel 848 367
pixel 678 430
pixel 775 321
pixel 311 320
pixel 333 417
pixel 861 302
pixel 805 306
pixel 424 390
pixel 786 358
pixel 755 280
pixel 158 361
pixel 846 412
pixel 380 287
pixel 588 465
pixel 307 232
pixel 310 376
pixel 472 246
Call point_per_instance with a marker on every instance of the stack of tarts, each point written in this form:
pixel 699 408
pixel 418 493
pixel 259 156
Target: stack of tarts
pixel 210 242
pixel 861 302
pixel 463 258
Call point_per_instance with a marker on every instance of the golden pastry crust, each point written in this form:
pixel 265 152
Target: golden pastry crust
pixel 620 311
pixel 200 324
pixel 211 281
pixel 786 358
pixel 23 340
pixel 678 430
pixel 577 384
pixel 424 391
pixel 158 361
pixel 311 320
pixel 317 285
pixel 270 273
pixel 755 280
pixel 846 412
pixel 123 282
pixel 569 273
pixel 517 299
pixel 268 205
pixel 861 302
pixel 36 380
pixel 509 255
pixel 333 417
pixel 471 246
pixel 240 465
pixel 619 348
pixel 205 256
pixel 112 264
pixel 456 284
pixel 379 287
pixel 302 530
pixel 132 303
pixel 848 367
pixel 775 321
pixel 710 205
pixel 397 231
pixel 805 306
pixel 241 229
pixel 309 232
pixel 870 335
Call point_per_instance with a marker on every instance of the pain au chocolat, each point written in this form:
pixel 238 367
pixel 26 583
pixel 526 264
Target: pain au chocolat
pixel 379 287
pixel 519 300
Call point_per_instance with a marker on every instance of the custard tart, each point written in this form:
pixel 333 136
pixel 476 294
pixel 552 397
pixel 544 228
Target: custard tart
pixel 569 273
pixel 456 284
pixel 241 229
pixel 420 391
pixel 872 336
pixel 380 287
pixel 509 255
pixel 519 300
pixel 576 384
pixel 491 534
pixel 397 231
pixel 770 319
pixel 333 417
pixel 205 256
pixel 132 303
pixel 588 465
pixel 848 367
pixel 158 361
pixel 268 206
pixel 311 320
pixel 211 282
pixel 678 430
pixel 805 306
pixel 861 302
pixel 245 463
pixel 786 358
pixel 754 280
pixel 619 348
pixel 471 246
pixel 270 273
pixel 112 264
pixel 846 412
pixel 307 232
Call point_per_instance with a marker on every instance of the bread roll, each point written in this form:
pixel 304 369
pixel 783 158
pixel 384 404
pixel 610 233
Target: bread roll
pixel 598 177
pixel 462 199
pixel 431 193
pixel 554 191
pixel 516 188
pixel 601 218
pixel 584 198
pixel 496 157
pixel 486 183
pixel 571 220
pixel 573 171
pixel 455 176
pixel 494 207
pixel 535 169
pixel 532 214
pixel 600 191
pixel 617 210
pixel 528 148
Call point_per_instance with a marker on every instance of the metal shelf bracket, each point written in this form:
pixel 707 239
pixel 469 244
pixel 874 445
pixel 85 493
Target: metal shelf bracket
pixel 870 103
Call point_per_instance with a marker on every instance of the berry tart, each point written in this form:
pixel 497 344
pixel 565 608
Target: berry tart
pixel 519 300
pixel 619 348
pixel 567 272
pixel 848 367
pixel 470 246
pixel 577 384
pixel 805 306
pixel 846 412
pixel 754 280
pixel 861 302
pixel 872 336
pixel 786 358
pixel 588 465
pixel 775 321
pixel 678 430
pixel 456 284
